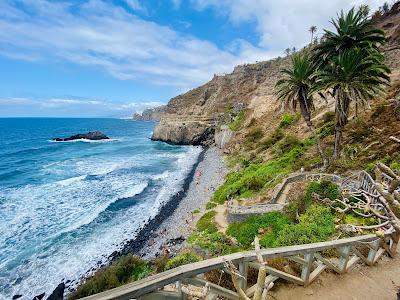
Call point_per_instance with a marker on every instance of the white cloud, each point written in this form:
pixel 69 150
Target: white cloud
pixel 284 23
pixel 71 107
pixel 100 34
pixel 136 5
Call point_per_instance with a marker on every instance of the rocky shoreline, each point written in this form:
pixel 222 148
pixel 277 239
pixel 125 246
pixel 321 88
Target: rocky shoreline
pixel 209 173
pixel 176 219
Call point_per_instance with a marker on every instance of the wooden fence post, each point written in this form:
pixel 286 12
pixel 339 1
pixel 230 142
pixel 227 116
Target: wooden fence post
pixel 306 270
pixel 344 258
pixel 243 270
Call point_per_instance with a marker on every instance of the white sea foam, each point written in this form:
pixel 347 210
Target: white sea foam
pixel 86 141
pixel 71 180
pixel 61 229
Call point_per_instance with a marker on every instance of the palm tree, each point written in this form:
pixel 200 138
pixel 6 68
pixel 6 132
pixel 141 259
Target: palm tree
pixel 296 89
pixel 287 51
pixel 385 8
pixel 294 50
pixel 312 30
pixel 354 77
pixel 352 30
pixel 364 10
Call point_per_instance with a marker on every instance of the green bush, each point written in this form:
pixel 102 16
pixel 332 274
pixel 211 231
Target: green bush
pixel 328 117
pixel 269 141
pixel 126 269
pixel 256 176
pixel 326 130
pixel 253 136
pixel 183 258
pixel 206 222
pixel 325 189
pixel 315 225
pixel 215 244
pixel 286 144
pixel 237 122
pixel 288 119
pixel 269 223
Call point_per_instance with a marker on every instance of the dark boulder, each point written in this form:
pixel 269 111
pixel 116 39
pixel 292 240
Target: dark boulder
pixel 94 136
pixel 15 297
pixel 58 293
pixel 39 297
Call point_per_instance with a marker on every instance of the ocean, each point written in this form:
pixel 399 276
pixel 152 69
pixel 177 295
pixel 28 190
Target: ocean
pixel 67 206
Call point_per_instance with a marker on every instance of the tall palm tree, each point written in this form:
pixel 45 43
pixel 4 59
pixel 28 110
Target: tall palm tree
pixel 296 89
pixel 354 77
pixel 352 30
pixel 312 30
pixel 287 51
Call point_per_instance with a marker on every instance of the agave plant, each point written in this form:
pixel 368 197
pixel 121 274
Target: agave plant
pixel 352 30
pixel 355 77
pixel 296 88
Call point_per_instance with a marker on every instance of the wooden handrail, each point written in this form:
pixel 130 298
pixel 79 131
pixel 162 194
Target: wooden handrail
pixel 153 283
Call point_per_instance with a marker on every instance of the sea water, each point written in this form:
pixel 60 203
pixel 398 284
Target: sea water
pixel 67 206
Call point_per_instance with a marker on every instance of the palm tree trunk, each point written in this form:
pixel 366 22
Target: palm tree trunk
pixel 338 139
pixel 342 111
pixel 307 118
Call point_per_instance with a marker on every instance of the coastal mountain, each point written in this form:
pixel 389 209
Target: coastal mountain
pixel 149 114
pixel 194 117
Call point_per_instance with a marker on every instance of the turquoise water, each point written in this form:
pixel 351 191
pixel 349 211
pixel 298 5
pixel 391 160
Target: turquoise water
pixel 65 206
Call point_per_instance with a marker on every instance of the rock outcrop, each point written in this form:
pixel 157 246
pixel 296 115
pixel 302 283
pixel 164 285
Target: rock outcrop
pixel 149 114
pixel 192 118
pixel 94 136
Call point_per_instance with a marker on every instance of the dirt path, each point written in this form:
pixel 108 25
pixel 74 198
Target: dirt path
pixel 220 218
pixel 379 282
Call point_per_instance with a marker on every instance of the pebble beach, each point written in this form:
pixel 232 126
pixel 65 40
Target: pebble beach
pixel 174 230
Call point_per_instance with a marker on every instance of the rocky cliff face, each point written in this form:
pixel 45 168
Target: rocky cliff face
pixel 150 114
pixel 192 118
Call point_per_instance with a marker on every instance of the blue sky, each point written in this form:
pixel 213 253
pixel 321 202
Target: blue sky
pixel 109 58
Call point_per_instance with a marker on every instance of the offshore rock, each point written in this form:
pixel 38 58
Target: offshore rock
pixel 94 136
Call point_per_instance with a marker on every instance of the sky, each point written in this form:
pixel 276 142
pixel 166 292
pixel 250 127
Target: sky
pixel 110 58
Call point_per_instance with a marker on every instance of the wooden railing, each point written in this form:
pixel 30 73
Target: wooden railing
pixel 358 181
pixel 310 257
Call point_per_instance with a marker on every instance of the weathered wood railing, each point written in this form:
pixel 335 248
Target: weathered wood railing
pixel 358 181
pixel 310 257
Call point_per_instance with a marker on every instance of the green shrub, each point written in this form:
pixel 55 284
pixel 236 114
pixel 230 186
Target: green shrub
pixel 269 224
pixel 288 119
pixel 325 189
pixel 196 211
pixel 328 117
pixel 326 130
pixel 206 223
pixel 316 225
pixel 237 122
pixel 253 136
pixel 215 244
pixel 126 269
pixel 286 144
pixel 269 141
pixel 256 176
pixel 211 205
pixel 183 258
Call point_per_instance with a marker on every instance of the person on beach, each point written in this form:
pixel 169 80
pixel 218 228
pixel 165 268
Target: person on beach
pixel 198 175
